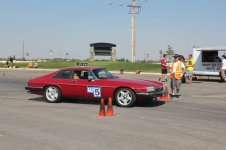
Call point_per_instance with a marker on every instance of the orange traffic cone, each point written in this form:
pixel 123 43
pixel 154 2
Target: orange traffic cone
pixel 102 112
pixel 165 97
pixel 110 107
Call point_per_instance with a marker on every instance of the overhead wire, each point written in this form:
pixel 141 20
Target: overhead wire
pixel 104 7
pixel 95 11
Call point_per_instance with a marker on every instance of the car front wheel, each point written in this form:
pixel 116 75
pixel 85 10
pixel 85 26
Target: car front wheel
pixel 125 97
pixel 52 94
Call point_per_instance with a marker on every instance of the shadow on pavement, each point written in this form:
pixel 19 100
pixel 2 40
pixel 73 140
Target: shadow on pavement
pixel 69 100
pixel 97 102
pixel 38 99
pixel 81 101
pixel 150 104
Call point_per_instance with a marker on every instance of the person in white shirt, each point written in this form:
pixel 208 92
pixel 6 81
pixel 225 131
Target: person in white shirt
pixel 223 67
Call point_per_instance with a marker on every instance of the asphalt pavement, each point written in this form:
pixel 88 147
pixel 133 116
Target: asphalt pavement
pixel 195 121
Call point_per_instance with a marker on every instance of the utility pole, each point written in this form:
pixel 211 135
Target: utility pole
pixel 134 9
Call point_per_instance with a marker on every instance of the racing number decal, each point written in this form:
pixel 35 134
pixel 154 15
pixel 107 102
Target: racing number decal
pixel 95 90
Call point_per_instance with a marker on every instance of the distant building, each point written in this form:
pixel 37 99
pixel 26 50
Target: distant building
pixel 103 49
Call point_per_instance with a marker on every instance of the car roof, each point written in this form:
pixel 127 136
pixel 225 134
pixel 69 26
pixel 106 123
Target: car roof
pixel 82 68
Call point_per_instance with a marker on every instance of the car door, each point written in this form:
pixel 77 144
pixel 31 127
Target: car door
pixel 69 85
pixel 87 88
pixel 98 87
pixel 75 83
pixel 80 87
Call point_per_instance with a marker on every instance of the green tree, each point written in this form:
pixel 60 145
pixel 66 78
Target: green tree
pixel 169 53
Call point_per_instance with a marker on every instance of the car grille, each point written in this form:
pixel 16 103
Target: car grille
pixel 159 90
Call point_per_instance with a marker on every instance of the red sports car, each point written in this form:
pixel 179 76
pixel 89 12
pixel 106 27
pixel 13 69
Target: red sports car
pixel 86 82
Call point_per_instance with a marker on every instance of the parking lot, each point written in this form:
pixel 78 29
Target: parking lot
pixel 195 121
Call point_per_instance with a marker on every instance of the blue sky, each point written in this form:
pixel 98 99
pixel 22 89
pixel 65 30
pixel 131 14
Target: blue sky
pixel 69 26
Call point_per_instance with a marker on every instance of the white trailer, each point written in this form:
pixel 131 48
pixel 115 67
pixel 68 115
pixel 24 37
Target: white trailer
pixel 208 61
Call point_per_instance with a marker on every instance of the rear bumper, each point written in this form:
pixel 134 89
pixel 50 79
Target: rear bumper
pixel 206 73
pixel 34 90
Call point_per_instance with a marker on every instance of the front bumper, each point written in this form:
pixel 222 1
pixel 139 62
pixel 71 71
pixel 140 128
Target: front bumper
pixel 34 90
pixel 152 94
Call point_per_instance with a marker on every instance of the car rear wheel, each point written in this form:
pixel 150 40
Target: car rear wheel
pixel 52 94
pixel 125 97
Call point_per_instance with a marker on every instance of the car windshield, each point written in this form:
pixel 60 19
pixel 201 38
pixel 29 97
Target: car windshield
pixel 102 73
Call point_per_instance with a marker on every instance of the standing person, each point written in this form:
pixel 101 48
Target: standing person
pixel 11 61
pixel 177 70
pixel 223 67
pixel 7 64
pixel 190 68
pixel 182 59
pixel 163 68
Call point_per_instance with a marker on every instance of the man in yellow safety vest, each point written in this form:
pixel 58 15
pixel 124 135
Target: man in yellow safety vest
pixel 177 69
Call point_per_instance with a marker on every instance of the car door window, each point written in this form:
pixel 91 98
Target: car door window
pixel 102 75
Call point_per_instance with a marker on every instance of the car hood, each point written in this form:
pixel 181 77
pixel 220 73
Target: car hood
pixel 138 82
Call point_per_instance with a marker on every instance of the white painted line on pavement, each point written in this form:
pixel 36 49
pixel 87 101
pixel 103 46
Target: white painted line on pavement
pixel 9 97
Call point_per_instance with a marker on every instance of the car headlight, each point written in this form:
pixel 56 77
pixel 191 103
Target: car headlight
pixel 150 89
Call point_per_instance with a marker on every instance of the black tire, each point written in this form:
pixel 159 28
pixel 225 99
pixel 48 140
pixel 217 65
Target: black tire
pixel 223 79
pixel 194 78
pixel 125 97
pixel 52 94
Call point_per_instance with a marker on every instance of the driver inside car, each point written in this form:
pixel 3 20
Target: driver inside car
pixel 76 76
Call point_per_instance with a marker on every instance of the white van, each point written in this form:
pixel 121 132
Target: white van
pixel 208 61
